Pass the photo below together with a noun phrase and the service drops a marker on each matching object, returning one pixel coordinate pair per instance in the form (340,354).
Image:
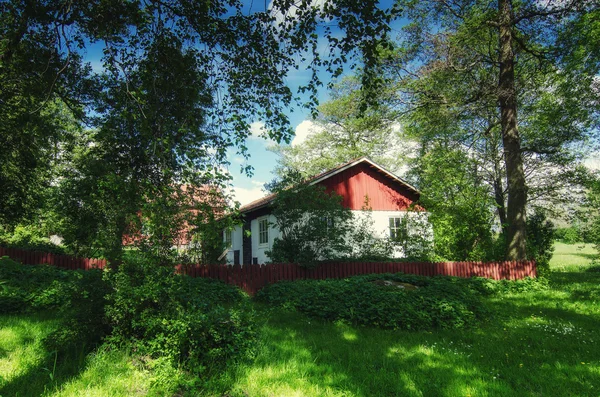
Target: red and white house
(390,199)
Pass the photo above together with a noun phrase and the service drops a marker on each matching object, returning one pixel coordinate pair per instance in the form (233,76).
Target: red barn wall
(354,183)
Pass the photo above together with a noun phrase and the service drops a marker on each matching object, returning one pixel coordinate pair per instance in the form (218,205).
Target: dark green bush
(540,240)
(527,284)
(77,295)
(40,287)
(568,235)
(438,302)
(198,323)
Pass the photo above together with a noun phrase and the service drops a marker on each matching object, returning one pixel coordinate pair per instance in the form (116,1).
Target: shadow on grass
(308,358)
(46,376)
(539,343)
(47,372)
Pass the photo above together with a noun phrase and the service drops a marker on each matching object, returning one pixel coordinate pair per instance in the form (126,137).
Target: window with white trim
(263,231)
(228,238)
(398,228)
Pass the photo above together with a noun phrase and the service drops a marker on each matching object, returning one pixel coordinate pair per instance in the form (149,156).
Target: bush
(41,287)
(29,238)
(438,302)
(568,235)
(540,240)
(77,295)
(194,322)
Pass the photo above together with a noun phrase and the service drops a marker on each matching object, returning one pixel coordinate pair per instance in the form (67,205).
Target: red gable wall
(356,182)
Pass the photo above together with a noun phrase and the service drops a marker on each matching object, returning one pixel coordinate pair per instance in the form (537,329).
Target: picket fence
(251,278)
(58,260)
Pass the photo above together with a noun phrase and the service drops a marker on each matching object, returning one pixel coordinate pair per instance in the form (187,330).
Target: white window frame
(228,238)
(395,225)
(260,220)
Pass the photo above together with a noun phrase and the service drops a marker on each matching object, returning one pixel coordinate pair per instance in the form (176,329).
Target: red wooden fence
(251,278)
(63,261)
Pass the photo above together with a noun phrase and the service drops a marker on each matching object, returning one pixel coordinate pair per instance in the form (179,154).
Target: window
(398,229)
(328,222)
(228,238)
(263,231)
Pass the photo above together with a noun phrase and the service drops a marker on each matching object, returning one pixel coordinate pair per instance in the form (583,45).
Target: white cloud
(257,183)
(257,129)
(245,196)
(592,163)
(258,132)
(280,17)
(303,130)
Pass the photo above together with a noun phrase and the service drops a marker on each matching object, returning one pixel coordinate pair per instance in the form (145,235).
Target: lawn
(572,256)
(27,369)
(538,343)
(542,343)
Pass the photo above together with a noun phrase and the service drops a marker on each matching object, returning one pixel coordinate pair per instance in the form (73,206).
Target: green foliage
(313,224)
(42,287)
(77,295)
(568,235)
(540,240)
(28,237)
(460,208)
(200,324)
(439,302)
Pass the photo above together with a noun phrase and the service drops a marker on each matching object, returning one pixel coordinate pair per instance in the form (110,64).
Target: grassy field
(27,369)
(541,343)
(572,256)
(538,343)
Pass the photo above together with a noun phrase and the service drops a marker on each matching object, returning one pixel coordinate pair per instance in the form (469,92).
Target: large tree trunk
(507,98)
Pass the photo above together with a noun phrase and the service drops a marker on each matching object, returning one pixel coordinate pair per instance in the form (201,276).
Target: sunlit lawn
(27,370)
(572,256)
(540,343)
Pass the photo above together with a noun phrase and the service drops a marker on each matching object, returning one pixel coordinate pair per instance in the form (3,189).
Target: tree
(343,131)
(460,206)
(313,224)
(181,83)
(479,42)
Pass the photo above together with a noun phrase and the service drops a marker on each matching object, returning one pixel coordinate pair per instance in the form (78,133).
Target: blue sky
(263,161)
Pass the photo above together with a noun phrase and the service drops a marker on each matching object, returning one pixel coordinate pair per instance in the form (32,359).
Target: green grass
(539,343)
(542,343)
(572,256)
(27,369)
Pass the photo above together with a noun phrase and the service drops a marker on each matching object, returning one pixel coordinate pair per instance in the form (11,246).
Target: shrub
(40,287)
(29,238)
(77,295)
(540,240)
(568,235)
(438,302)
(198,323)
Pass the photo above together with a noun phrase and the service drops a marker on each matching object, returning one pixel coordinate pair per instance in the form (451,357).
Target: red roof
(262,202)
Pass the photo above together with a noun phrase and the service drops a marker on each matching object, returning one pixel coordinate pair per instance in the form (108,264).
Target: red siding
(361,180)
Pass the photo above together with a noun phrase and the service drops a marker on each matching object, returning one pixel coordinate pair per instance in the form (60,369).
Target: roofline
(358,161)
(330,173)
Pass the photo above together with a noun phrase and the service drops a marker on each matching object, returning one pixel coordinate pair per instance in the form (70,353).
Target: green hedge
(198,323)
(438,302)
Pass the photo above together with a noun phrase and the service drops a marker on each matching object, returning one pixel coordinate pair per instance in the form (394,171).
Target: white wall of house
(259,250)
(381,224)
(236,243)
(380,227)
